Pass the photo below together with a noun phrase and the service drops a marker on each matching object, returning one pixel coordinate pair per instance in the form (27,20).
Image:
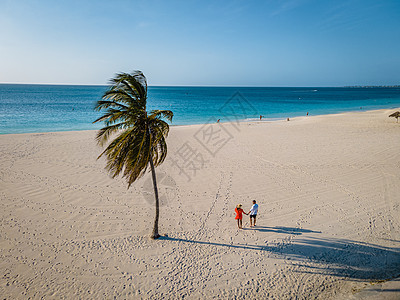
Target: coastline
(51,108)
(241,121)
(328,225)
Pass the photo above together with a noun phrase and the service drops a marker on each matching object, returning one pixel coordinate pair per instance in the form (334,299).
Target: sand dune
(329,219)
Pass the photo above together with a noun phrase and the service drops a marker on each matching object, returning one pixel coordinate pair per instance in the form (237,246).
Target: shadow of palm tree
(386,290)
(346,258)
(335,257)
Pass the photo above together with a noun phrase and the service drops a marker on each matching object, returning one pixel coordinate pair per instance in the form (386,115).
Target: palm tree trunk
(155,234)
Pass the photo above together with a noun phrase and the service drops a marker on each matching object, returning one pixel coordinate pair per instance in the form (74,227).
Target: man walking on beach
(253,213)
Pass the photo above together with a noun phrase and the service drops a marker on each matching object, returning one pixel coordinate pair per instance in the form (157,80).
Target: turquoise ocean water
(48,108)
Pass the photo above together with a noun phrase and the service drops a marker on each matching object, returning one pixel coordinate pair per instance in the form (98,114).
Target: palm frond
(127,88)
(158,128)
(160,149)
(104,133)
(140,136)
(104,104)
(118,95)
(161,114)
(134,84)
(111,116)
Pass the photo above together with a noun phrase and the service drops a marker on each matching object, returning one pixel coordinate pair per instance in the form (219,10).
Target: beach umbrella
(396,115)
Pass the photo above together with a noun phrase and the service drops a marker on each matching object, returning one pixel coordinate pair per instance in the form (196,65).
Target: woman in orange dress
(239,211)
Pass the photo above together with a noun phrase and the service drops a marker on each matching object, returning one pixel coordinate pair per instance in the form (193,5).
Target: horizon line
(216,86)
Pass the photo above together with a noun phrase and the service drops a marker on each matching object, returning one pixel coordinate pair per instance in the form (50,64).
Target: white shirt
(254,209)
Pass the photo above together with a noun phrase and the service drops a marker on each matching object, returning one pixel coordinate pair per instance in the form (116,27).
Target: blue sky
(216,43)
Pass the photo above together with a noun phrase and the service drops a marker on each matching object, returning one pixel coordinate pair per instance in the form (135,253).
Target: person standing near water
(253,213)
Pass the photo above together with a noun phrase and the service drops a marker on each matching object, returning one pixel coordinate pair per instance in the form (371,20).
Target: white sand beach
(328,189)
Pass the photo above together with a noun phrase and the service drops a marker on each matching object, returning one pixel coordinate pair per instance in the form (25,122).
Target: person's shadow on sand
(282,229)
(328,256)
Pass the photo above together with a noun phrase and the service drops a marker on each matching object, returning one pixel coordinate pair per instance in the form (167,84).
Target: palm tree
(140,136)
